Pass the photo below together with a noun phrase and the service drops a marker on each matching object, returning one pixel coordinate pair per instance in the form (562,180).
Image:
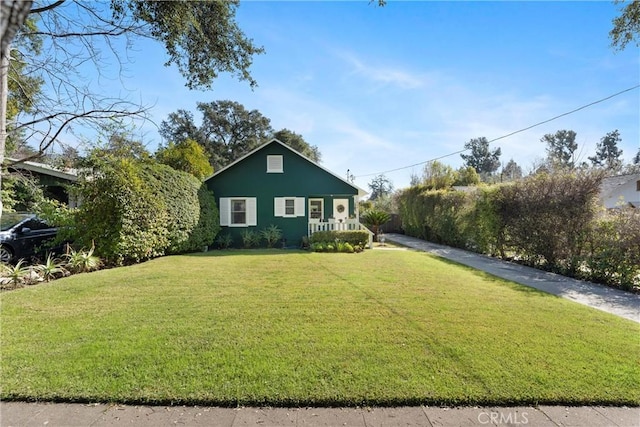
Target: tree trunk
(13,13)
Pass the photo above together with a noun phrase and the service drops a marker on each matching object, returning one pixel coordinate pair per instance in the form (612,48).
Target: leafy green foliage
(374,219)
(51,269)
(187,156)
(201,38)
(433,215)
(626,27)
(481,158)
(15,273)
(548,221)
(380,187)
(272,235)
(135,211)
(608,155)
(561,148)
(224,241)
(614,256)
(228,130)
(250,238)
(297,142)
(354,238)
(82,261)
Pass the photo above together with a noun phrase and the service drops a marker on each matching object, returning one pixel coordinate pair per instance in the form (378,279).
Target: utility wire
(507,135)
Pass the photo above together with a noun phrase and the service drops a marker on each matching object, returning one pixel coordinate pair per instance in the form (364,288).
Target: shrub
(374,219)
(354,238)
(51,269)
(272,235)
(82,261)
(224,241)
(614,257)
(136,210)
(250,238)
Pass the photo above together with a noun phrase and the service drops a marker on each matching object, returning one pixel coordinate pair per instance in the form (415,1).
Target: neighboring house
(54,182)
(623,190)
(276,185)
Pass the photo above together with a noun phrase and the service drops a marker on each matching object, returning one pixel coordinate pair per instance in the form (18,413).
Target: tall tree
(380,186)
(481,158)
(437,175)
(561,148)
(466,176)
(511,171)
(297,142)
(608,155)
(228,130)
(201,38)
(636,159)
(626,27)
(187,156)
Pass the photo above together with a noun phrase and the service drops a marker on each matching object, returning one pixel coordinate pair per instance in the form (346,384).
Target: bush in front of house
(354,238)
(133,211)
(336,246)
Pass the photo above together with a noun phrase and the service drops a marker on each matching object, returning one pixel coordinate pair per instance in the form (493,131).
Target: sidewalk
(620,303)
(17,414)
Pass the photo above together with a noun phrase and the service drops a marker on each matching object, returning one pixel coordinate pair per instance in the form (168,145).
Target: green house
(276,185)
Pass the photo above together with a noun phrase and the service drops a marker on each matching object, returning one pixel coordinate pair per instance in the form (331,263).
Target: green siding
(301,178)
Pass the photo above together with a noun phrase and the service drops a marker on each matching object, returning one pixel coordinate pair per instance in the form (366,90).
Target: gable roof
(360,191)
(611,185)
(44,169)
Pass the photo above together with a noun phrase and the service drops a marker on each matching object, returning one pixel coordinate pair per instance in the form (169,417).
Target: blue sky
(383,88)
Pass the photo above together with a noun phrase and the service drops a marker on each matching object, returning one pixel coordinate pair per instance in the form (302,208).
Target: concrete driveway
(614,301)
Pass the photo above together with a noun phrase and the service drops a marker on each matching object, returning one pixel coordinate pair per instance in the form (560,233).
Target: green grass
(295,328)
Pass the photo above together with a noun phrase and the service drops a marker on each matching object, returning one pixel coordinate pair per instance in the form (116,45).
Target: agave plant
(51,269)
(82,261)
(16,274)
(272,235)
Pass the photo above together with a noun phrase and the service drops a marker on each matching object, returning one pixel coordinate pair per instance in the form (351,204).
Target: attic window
(274,164)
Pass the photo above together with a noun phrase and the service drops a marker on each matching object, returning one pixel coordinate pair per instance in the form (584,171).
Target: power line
(507,135)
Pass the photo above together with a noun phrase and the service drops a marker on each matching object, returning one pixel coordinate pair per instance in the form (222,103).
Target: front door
(341,209)
(316,209)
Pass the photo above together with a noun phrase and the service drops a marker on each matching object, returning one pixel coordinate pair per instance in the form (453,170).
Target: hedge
(132,211)
(548,221)
(354,238)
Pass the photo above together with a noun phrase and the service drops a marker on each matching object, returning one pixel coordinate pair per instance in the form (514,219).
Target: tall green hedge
(132,211)
(550,221)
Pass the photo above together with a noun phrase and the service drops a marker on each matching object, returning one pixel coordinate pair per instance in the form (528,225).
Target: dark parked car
(23,235)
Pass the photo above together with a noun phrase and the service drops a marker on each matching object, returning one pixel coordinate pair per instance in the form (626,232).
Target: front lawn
(273,327)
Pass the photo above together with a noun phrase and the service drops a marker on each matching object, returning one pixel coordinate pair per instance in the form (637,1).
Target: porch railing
(345,225)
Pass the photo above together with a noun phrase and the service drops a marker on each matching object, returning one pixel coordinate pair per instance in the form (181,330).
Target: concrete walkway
(18,414)
(620,303)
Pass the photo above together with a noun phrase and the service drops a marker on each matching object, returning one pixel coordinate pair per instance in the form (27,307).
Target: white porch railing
(346,225)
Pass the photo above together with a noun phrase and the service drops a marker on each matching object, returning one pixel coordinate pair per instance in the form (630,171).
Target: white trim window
(238,211)
(289,207)
(275,164)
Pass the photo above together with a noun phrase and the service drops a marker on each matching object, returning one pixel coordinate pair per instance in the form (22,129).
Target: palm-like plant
(82,261)
(16,273)
(374,219)
(51,269)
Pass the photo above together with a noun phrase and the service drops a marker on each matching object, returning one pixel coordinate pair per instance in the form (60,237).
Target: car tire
(6,254)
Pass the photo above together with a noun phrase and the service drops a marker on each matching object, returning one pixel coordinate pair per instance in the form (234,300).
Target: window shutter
(252,211)
(278,206)
(225,211)
(300,204)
